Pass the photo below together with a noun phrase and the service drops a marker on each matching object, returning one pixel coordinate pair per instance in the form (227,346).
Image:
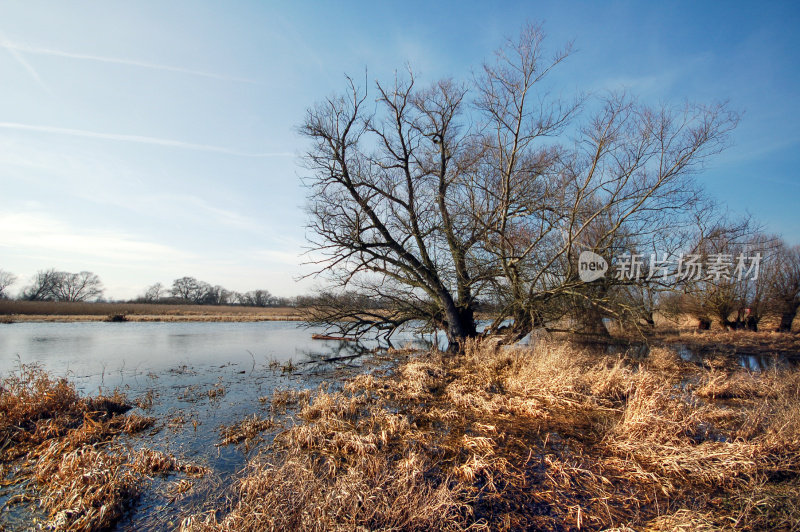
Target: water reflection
(749,361)
(109,354)
(766,362)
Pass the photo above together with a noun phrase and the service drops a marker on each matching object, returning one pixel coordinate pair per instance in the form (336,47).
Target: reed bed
(12,310)
(555,437)
(63,450)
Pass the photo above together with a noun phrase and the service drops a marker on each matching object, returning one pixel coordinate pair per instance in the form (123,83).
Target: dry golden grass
(65,311)
(555,437)
(63,447)
(283,399)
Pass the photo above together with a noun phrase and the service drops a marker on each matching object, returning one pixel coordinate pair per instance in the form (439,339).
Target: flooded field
(195,379)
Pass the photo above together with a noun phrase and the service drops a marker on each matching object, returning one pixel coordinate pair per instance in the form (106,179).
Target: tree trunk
(787,318)
(592,323)
(460,324)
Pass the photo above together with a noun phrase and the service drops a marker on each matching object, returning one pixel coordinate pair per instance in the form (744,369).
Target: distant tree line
(736,302)
(54,285)
(189,290)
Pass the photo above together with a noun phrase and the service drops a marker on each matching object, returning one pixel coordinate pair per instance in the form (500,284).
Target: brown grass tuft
(246,430)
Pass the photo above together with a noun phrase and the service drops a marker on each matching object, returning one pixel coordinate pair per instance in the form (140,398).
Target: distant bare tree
(154,293)
(6,280)
(42,288)
(52,285)
(214,295)
(188,289)
(82,286)
(737,299)
(784,286)
(256,298)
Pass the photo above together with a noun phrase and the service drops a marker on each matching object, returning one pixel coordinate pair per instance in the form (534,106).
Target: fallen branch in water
(336,338)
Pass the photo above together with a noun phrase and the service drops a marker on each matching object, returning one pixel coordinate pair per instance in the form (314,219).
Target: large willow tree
(430,199)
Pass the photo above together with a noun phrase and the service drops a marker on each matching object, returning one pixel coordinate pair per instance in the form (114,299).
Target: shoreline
(151,318)
(49,311)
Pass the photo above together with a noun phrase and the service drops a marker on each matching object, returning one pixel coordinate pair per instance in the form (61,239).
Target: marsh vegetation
(557,435)
(551,437)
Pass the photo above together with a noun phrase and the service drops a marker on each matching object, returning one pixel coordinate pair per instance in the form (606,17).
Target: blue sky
(146,141)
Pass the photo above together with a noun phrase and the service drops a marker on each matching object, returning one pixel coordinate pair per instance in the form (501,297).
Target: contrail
(27,66)
(15,47)
(138,139)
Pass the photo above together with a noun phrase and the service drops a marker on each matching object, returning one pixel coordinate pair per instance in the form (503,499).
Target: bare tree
(154,293)
(735,291)
(784,285)
(188,289)
(82,286)
(256,298)
(381,207)
(6,280)
(42,287)
(214,295)
(446,194)
(52,285)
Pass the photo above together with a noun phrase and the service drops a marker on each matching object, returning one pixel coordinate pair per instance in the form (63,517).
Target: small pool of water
(748,361)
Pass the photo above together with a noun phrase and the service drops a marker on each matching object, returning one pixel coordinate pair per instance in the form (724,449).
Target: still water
(112,354)
(196,378)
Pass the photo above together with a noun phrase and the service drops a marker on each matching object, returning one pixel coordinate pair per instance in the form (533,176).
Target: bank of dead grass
(554,437)
(20,311)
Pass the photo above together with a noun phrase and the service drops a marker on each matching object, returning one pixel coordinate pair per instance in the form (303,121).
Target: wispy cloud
(658,81)
(758,146)
(138,139)
(14,48)
(45,234)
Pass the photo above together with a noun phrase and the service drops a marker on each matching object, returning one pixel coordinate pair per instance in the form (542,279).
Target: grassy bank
(552,438)
(18,311)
